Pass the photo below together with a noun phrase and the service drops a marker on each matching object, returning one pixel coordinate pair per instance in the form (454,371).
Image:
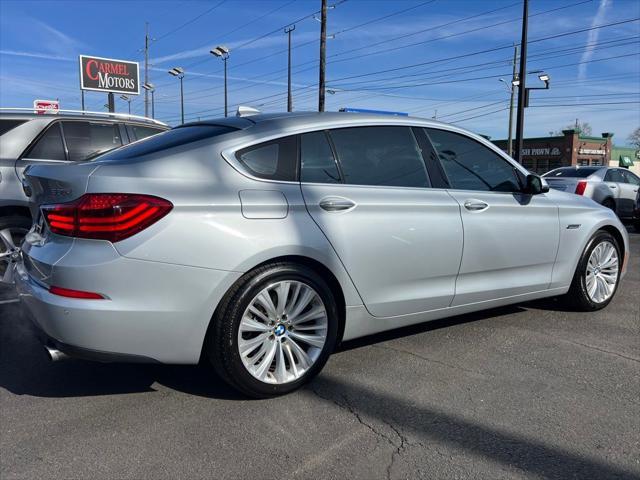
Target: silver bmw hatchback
(259,243)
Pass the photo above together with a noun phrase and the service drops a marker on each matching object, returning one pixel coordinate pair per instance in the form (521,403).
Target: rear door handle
(336,204)
(475,205)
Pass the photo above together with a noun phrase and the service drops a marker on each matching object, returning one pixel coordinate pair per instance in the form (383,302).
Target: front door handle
(475,205)
(336,204)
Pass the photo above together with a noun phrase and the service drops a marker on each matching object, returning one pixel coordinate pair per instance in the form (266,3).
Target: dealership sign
(109,75)
(46,106)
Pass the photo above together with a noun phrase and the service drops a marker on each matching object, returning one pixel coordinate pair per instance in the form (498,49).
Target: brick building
(542,154)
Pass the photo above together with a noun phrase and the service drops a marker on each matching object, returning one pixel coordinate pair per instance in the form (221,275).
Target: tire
(609,203)
(18,226)
(287,369)
(579,296)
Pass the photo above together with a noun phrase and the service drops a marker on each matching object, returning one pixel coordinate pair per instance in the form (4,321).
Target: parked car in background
(614,188)
(27,138)
(259,243)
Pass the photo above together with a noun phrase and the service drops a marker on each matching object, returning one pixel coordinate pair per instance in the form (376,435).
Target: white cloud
(592,38)
(44,56)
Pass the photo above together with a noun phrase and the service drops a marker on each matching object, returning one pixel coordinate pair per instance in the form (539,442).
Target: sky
(433,58)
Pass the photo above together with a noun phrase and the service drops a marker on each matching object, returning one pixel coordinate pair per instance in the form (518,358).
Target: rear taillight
(105,216)
(581,187)
(67,292)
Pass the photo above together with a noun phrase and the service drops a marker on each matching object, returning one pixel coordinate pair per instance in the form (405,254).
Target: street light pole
(288,31)
(512,89)
(150,87)
(222,52)
(179,72)
(128,100)
(522,80)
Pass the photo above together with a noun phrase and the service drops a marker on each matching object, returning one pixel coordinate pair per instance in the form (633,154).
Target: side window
(317,162)
(630,177)
(383,156)
(140,131)
(614,176)
(6,125)
(49,146)
(88,139)
(274,160)
(472,166)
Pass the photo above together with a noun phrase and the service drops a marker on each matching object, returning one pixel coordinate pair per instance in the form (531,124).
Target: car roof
(29,114)
(288,120)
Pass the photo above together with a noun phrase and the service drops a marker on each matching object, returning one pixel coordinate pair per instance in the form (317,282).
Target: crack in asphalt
(398,446)
(431,360)
(603,350)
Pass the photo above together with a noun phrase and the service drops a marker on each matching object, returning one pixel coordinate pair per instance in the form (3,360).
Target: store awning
(626,161)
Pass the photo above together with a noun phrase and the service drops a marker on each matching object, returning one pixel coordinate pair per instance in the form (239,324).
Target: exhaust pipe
(55,355)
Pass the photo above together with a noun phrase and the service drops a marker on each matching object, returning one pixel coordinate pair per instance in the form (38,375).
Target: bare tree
(583,128)
(634,138)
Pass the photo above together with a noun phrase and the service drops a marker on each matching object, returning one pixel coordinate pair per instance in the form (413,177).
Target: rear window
(571,172)
(138,132)
(6,125)
(166,140)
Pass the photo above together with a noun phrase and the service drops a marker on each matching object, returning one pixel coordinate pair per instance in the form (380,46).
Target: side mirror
(535,185)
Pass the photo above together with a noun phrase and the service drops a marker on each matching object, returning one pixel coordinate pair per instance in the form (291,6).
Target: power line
(189,22)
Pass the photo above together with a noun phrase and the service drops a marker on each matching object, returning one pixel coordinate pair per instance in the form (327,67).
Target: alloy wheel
(602,272)
(10,242)
(282,332)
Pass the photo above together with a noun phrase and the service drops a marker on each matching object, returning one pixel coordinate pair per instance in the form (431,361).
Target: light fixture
(220,51)
(176,71)
(149,86)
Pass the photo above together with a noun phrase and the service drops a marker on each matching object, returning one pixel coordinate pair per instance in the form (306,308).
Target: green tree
(583,128)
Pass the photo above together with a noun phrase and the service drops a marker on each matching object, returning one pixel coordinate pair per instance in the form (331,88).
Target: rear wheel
(274,331)
(597,276)
(12,232)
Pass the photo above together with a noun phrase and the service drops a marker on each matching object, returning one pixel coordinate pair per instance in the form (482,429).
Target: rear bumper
(155,312)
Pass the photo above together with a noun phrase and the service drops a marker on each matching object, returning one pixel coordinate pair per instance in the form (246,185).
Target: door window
(274,160)
(630,177)
(6,125)
(469,165)
(384,156)
(88,139)
(614,176)
(49,146)
(318,164)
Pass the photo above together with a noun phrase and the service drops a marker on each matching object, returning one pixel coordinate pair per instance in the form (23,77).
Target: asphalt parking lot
(529,391)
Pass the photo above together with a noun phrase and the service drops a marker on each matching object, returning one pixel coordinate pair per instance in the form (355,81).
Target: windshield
(581,172)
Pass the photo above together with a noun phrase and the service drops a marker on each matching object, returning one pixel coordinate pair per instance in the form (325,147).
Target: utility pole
(323,55)
(146,68)
(522,77)
(514,77)
(288,31)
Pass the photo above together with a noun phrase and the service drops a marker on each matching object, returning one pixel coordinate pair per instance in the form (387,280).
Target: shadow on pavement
(446,430)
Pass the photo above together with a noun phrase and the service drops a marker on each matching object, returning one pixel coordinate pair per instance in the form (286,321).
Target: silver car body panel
(400,255)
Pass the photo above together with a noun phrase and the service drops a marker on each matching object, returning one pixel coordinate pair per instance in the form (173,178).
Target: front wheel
(597,276)
(274,330)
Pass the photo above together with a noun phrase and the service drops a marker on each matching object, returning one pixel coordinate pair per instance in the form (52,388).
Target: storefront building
(542,154)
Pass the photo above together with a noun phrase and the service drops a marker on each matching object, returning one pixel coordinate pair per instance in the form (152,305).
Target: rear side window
(88,139)
(6,125)
(469,165)
(165,140)
(382,156)
(49,146)
(318,164)
(630,177)
(614,176)
(274,160)
(138,132)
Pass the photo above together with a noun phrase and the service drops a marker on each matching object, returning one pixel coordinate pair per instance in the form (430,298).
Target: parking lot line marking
(14,300)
